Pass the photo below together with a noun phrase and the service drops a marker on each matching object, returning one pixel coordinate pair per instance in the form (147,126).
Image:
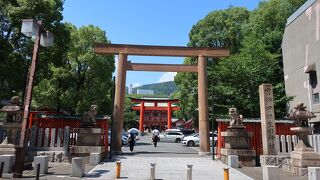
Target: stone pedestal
(303,155)
(233,161)
(236,140)
(89,136)
(9,161)
(273,160)
(89,140)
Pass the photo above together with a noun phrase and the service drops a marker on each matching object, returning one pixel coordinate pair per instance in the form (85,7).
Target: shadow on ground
(97,173)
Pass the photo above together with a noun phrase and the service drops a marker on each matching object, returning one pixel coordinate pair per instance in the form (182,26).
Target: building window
(314,85)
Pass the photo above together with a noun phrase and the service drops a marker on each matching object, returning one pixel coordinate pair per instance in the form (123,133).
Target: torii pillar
(203,106)
(169,116)
(141,122)
(119,97)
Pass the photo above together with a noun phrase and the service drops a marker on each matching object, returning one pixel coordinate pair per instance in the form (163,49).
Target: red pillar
(141,129)
(169,115)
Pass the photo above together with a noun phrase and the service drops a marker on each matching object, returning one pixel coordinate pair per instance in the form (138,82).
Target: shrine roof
(153,99)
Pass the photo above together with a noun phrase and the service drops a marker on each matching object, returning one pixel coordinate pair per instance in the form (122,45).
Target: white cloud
(136,85)
(169,76)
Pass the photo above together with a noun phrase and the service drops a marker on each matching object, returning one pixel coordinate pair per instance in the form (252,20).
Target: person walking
(132,141)
(155,136)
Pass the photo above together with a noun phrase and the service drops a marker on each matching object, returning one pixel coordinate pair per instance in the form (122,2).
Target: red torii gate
(144,108)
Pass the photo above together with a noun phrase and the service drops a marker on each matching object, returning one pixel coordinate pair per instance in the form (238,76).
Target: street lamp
(30,28)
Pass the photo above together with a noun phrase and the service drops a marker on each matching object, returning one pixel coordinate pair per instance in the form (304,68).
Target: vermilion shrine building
(155,112)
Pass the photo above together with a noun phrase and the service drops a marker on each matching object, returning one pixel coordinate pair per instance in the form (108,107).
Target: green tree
(130,116)
(16,49)
(83,77)
(256,57)
(218,29)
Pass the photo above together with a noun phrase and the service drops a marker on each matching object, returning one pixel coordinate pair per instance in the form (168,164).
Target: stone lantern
(303,155)
(11,125)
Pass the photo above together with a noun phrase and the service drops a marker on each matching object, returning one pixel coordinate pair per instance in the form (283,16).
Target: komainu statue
(235,118)
(90,116)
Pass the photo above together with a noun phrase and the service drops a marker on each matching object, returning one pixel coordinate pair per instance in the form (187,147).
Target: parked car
(194,139)
(191,140)
(171,136)
(185,132)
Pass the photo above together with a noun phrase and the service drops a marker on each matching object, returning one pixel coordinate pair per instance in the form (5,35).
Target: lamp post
(30,28)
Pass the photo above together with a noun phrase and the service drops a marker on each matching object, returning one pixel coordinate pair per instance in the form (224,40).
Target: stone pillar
(94,159)
(203,106)
(267,119)
(77,167)
(9,161)
(169,115)
(43,161)
(141,129)
(270,172)
(118,114)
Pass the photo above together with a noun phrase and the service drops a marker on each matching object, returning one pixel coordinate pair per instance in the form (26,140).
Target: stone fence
(285,143)
(57,139)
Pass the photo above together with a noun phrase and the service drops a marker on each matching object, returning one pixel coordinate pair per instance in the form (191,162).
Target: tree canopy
(69,75)
(254,38)
(16,49)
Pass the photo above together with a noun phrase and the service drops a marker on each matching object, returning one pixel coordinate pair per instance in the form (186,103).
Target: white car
(194,139)
(171,136)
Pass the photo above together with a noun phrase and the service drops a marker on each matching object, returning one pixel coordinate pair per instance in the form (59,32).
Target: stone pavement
(138,168)
(256,173)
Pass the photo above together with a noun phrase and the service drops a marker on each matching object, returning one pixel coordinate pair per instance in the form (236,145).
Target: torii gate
(123,50)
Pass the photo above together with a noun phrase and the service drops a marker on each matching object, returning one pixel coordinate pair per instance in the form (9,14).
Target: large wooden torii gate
(124,65)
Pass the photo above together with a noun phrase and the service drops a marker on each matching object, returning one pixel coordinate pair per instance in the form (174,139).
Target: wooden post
(118,113)
(268,127)
(141,122)
(169,115)
(203,106)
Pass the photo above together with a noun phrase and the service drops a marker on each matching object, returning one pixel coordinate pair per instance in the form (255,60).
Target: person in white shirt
(155,136)
(155,132)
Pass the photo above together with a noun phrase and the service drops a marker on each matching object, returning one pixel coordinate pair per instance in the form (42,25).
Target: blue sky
(146,22)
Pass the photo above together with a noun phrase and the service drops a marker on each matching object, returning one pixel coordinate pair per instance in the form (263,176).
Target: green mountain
(164,88)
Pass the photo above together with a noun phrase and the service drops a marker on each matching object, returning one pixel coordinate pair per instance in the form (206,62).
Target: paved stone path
(138,168)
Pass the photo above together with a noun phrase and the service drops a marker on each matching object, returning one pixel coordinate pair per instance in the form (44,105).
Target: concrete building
(145,91)
(301,57)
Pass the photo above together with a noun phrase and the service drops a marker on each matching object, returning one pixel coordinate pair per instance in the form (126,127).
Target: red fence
(59,121)
(256,139)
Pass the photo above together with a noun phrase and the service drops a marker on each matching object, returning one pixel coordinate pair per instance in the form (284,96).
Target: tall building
(301,57)
(130,89)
